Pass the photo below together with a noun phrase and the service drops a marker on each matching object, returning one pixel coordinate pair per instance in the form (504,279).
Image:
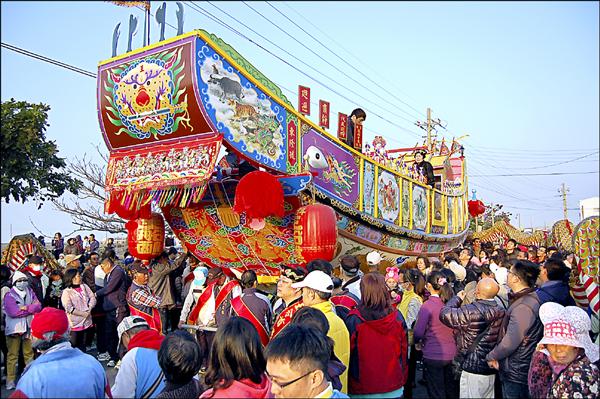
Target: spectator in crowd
(180,358)
(349,273)
(554,276)
(520,332)
(93,245)
(373,261)
(79,243)
(58,245)
(436,340)
(110,243)
(236,363)
(36,277)
(477,326)
(78,300)
(320,264)
(312,317)
(71,248)
(484,257)
(42,241)
(521,254)
(391,283)
(563,363)
(511,249)
(378,343)
(343,300)
(532,254)
(160,284)
(187,277)
(172,253)
(541,254)
(469,290)
(114,303)
(5,287)
(95,277)
(423,265)
(253,306)
(551,251)
(289,298)
(142,301)
(196,287)
(316,292)
(140,375)
(72,261)
(460,272)
(87,275)
(297,364)
(60,371)
(19,305)
(465,257)
(54,290)
(412,285)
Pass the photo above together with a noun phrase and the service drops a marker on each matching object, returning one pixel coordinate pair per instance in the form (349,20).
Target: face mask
(35,267)
(22,285)
(57,282)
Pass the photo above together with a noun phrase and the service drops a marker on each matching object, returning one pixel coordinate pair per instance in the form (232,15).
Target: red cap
(49,319)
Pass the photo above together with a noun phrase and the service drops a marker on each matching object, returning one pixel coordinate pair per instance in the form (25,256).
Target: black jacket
(470,321)
(520,333)
(114,292)
(427,170)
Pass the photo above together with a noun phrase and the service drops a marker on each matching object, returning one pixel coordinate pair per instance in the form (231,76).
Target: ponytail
(439,283)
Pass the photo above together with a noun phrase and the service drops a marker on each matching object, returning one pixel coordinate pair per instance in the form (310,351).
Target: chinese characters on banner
(342,126)
(324,114)
(292,148)
(304,100)
(358,133)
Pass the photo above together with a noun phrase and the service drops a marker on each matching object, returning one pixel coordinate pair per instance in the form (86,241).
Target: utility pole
(430,126)
(563,192)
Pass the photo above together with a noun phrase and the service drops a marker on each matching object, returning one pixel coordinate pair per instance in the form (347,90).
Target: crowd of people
(483,321)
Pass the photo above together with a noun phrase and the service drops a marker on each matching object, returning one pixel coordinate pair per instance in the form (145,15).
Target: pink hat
(391,273)
(555,316)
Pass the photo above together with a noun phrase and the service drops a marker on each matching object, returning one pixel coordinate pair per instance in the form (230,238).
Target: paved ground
(419,392)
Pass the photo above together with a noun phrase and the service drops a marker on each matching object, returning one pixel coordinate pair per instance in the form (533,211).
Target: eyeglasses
(286,384)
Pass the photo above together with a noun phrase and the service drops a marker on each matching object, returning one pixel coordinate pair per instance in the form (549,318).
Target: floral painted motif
(369,188)
(406,203)
(388,197)
(419,208)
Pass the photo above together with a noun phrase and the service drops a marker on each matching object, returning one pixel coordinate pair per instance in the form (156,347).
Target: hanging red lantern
(315,232)
(146,237)
(476,208)
(259,194)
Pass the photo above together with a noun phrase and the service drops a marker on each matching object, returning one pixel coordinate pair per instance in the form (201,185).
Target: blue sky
(521,78)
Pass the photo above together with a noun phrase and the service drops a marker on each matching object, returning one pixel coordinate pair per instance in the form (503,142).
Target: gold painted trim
(376,188)
(361,187)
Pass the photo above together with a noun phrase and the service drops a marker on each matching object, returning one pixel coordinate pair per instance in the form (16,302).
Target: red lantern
(259,194)
(315,232)
(146,237)
(476,208)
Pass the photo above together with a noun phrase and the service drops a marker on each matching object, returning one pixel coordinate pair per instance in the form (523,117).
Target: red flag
(304,100)
(324,114)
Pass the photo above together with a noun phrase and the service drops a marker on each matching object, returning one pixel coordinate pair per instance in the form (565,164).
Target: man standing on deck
(357,117)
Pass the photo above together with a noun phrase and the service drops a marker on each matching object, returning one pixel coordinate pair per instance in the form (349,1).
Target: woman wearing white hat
(562,366)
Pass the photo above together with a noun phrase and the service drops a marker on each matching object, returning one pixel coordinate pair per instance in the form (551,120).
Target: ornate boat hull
(166,109)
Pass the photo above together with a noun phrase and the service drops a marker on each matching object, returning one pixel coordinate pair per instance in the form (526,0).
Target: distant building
(589,207)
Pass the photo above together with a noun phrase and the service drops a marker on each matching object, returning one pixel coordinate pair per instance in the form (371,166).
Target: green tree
(31,167)
(486,220)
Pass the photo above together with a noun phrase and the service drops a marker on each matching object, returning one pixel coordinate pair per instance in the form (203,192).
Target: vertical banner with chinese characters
(304,100)
(342,126)
(358,134)
(292,147)
(324,114)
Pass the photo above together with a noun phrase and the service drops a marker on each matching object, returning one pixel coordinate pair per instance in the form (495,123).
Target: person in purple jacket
(436,340)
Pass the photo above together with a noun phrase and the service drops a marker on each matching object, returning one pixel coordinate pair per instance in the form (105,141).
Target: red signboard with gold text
(342,126)
(358,135)
(324,114)
(292,147)
(304,100)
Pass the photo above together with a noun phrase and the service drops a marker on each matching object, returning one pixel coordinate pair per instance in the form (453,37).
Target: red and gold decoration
(476,208)
(21,248)
(358,136)
(304,100)
(146,237)
(292,141)
(342,126)
(324,114)
(315,232)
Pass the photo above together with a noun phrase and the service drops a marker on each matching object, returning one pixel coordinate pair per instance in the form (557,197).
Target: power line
(351,54)
(48,60)
(344,61)
(539,174)
(211,16)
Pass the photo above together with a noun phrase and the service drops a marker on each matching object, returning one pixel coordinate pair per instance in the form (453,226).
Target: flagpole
(148,22)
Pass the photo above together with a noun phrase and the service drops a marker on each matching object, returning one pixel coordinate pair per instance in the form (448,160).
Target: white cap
(373,258)
(459,270)
(317,280)
(17,276)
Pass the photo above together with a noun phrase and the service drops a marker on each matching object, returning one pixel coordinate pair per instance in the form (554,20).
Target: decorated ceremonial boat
(168,110)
